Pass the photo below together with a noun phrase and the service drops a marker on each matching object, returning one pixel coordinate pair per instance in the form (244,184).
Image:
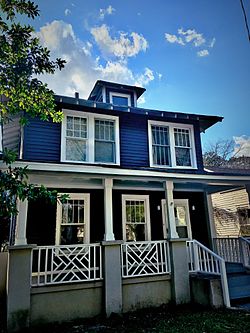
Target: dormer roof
(118,86)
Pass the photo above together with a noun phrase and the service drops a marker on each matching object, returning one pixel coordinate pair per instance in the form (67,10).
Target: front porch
(125,244)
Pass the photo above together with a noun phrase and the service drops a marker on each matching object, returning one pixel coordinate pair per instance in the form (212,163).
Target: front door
(72,219)
(182,218)
(136,218)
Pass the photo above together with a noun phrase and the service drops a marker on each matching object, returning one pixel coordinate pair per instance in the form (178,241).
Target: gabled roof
(100,83)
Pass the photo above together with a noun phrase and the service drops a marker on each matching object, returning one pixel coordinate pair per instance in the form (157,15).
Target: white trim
(147,174)
(171,127)
(104,95)
(180,202)
(108,209)
(90,158)
(144,198)
(135,99)
(113,93)
(74,196)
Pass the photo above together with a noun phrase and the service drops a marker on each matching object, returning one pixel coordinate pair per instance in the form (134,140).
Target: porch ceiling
(85,180)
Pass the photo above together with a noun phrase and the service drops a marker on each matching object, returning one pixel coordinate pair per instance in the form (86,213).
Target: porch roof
(79,176)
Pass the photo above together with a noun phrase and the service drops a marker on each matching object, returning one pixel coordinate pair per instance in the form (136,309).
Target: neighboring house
(232,213)
(138,196)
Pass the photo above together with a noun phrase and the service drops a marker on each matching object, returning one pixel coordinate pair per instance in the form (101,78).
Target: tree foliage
(225,154)
(14,184)
(22,58)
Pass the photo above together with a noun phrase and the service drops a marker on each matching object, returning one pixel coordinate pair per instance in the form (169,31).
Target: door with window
(136,218)
(72,219)
(182,218)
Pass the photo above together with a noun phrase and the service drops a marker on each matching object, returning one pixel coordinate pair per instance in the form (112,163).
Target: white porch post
(169,186)
(108,209)
(21,222)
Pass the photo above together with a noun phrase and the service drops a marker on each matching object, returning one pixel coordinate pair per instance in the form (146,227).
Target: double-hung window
(171,145)
(90,138)
(104,141)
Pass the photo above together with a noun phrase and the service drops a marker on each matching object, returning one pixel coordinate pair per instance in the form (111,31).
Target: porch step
(238,282)
(233,267)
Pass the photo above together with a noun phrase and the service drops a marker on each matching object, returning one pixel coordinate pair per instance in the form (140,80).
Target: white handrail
(203,260)
(245,248)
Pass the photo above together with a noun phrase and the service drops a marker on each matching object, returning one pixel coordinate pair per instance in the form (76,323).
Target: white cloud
(212,43)
(121,47)
(174,39)
(159,76)
(82,69)
(141,100)
(145,78)
(191,36)
(203,53)
(67,12)
(242,145)
(87,48)
(106,11)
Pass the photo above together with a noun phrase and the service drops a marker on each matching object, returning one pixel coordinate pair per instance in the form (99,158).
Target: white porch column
(108,209)
(21,222)
(169,186)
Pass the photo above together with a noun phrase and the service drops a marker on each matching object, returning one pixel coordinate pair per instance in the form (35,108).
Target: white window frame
(180,202)
(90,154)
(171,127)
(136,197)
(112,93)
(74,196)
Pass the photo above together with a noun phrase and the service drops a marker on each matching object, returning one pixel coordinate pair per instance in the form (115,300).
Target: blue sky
(191,55)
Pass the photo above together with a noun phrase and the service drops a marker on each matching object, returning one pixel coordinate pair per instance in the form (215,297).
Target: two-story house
(137,197)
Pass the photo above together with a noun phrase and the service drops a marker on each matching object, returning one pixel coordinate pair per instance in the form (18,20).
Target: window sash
(91,138)
(171,145)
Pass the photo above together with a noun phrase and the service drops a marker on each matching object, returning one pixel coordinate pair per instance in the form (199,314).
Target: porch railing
(245,247)
(145,258)
(66,264)
(203,260)
(233,249)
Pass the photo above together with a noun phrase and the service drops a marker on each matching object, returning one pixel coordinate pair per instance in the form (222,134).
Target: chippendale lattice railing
(66,264)
(145,258)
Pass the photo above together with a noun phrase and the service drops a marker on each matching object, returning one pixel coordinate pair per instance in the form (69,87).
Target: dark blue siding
(134,141)
(42,141)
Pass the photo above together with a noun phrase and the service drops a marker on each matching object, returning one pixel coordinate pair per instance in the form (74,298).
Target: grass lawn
(188,319)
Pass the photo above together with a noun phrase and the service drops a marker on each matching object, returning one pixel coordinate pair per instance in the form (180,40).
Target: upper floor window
(171,145)
(90,138)
(120,99)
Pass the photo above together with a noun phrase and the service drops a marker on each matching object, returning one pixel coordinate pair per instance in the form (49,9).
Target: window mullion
(91,140)
(172,147)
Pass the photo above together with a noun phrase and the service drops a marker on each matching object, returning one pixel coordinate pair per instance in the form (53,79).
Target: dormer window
(120,99)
